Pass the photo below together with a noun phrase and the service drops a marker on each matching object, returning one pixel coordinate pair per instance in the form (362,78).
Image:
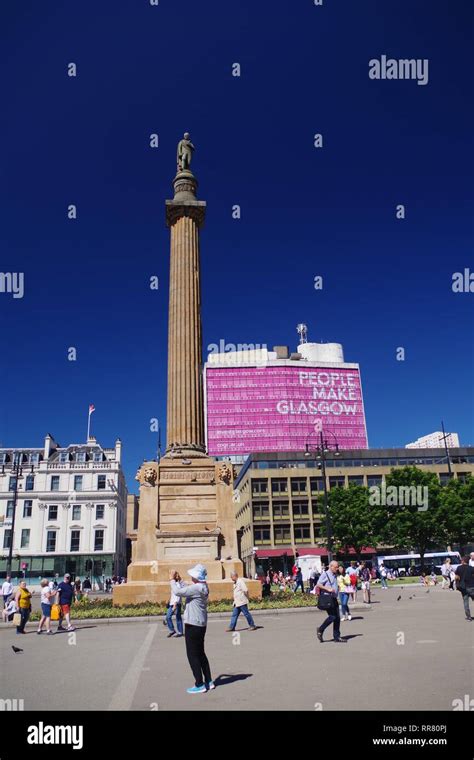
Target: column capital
(177,209)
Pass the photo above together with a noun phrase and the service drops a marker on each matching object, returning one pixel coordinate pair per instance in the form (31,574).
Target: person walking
(23,602)
(471,559)
(343,584)
(299,580)
(353,573)
(364,575)
(7,590)
(47,595)
(174,608)
(446,573)
(195,624)
(327,584)
(65,594)
(241,600)
(465,584)
(383,576)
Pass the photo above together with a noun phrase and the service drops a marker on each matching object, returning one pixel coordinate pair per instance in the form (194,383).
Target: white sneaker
(349,617)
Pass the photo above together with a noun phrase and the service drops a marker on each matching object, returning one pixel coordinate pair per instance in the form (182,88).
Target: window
(80,456)
(281,510)
(78,482)
(374,480)
(51,541)
(25,538)
(316,485)
(337,482)
(27,508)
(3,457)
(54,482)
(261,511)
(12,483)
(7,537)
(99,541)
(64,457)
(101,482)
(279,485)
(98,456)
(300,509)
(75,540)
(34,458)
(9,512)
(99,512)
(17,457)
(76,512)
(464,476)
(298,485)
(302,534)
(282,534)
(444,478)
(30,483)
(53,512)
(356,480)
(261,535)
(317,530)
(260,486)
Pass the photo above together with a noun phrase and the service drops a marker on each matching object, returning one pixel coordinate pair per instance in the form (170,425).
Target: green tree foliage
(458,502)
(354,522)
(409,526)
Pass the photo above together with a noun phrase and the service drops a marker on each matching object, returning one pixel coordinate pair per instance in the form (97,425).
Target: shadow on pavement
(351,636)
(226,678)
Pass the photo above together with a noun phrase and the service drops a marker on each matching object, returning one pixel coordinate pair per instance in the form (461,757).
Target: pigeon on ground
(398,598)
(16,649)
(428,591)
(410,597)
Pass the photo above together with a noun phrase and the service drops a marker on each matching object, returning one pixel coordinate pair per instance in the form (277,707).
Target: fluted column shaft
(185,405)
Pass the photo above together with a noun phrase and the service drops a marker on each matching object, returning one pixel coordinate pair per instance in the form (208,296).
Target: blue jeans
(384,583)
(179,622)
(236,612)
(344,598)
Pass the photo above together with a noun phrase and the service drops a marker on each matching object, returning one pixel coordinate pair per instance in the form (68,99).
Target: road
(413,654)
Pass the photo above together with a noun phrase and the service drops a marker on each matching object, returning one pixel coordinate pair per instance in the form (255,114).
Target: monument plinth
(186,511)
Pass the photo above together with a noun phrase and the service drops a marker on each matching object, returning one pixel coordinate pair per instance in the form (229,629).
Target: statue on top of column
(185,152)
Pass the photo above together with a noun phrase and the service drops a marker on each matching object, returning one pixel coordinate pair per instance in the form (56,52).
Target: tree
(415,517)
(355,523)
(457,499)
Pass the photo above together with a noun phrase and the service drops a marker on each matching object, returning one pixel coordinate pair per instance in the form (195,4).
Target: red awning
(263,553)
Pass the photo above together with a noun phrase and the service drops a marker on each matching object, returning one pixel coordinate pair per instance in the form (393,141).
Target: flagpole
(88,426)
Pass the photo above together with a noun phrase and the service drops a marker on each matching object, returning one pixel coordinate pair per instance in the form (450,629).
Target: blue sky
(305,211)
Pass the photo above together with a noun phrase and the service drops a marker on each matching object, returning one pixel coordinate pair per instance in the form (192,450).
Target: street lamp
(320,450)
(16,471)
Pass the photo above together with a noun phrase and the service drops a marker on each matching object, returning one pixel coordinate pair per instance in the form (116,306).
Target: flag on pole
(91,409)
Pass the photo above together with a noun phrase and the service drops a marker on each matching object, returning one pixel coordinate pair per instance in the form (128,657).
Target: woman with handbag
(23,601)
(327,601)
(465,584)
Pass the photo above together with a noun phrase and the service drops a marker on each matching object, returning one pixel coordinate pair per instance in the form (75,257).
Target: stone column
(185,408)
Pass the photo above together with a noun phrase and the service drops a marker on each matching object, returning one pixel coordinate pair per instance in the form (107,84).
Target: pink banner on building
(252,409)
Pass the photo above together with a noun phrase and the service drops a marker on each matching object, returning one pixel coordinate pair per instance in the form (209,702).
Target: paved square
(133,666)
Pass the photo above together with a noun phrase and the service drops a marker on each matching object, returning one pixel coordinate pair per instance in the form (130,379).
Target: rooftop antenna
(302,331)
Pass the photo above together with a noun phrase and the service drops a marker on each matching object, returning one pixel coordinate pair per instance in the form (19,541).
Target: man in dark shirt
(328,585)
(65,599)
(465,583)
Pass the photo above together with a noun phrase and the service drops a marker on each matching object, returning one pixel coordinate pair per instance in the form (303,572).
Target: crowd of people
(56,600)
(335,587)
